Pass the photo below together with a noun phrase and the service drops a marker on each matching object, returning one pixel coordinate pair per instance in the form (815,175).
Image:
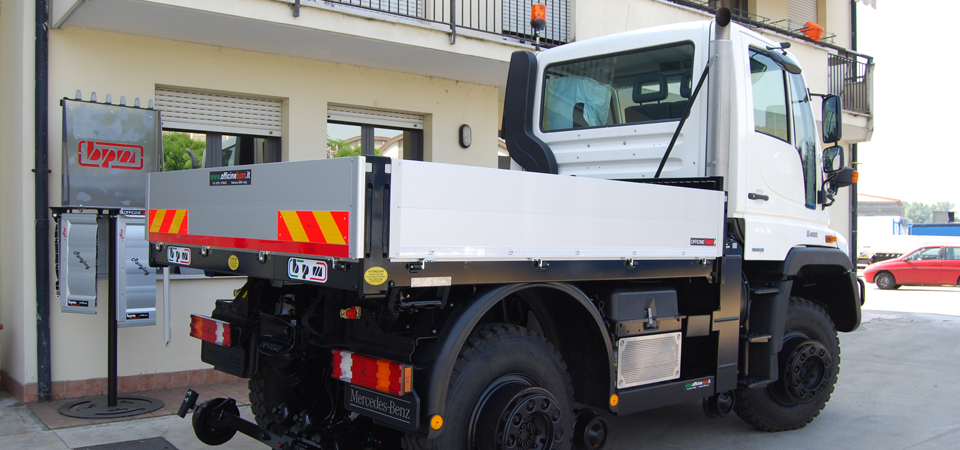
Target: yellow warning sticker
(375,276)
(233,262)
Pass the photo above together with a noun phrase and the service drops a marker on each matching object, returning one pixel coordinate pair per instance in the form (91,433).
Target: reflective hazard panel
(322,227)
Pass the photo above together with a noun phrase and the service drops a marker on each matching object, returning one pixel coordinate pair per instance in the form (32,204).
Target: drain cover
(96,407)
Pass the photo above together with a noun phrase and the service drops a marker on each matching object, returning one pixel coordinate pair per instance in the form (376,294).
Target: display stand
(111,405)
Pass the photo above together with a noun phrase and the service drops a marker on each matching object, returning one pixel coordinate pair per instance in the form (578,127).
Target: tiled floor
(49,413)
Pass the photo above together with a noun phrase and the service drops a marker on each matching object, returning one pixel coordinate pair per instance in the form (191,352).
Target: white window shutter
(188,110)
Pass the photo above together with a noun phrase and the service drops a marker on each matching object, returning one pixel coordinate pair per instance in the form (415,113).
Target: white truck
(662,245)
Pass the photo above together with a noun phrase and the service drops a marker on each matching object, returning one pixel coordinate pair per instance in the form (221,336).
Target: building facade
(270,80)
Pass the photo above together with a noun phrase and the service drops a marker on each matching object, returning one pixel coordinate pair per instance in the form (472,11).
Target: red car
(931,265)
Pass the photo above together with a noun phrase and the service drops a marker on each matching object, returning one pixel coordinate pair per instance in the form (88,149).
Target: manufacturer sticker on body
(699,384)
(233,262)
(231,178)
(178,255)
(307,270)
(705,242)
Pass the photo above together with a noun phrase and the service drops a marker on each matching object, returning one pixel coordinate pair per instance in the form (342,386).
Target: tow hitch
(216,421)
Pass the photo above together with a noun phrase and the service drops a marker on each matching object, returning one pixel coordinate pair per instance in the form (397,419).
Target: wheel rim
(511,414)
(806,369)
(885,281)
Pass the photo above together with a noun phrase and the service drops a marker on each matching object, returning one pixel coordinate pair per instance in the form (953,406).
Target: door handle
(755,196)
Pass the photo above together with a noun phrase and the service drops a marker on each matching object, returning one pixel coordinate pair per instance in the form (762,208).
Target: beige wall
(17,299)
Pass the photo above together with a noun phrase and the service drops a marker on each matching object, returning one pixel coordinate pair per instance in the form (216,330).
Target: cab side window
(769,96)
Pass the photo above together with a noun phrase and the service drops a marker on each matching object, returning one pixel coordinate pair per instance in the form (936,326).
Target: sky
(912,156)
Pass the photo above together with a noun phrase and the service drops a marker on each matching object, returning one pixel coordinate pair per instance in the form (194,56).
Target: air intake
(648,359)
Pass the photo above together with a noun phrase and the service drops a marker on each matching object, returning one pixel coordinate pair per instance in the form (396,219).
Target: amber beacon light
(538,20)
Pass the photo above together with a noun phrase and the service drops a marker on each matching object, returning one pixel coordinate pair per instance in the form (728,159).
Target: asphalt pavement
(898,388)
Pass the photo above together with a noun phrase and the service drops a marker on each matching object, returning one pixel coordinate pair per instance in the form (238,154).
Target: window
(805,137)
(650,85)
(951,253)
(924,254)
(769,96)
(234,129)
(354,131)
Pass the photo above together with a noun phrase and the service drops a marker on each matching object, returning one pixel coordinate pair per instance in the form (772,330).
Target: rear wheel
(885,280)
(809,363)
(509,390)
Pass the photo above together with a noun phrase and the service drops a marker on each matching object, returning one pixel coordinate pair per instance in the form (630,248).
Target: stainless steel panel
(108,150)
(136,280)
(77,234)
(648,359)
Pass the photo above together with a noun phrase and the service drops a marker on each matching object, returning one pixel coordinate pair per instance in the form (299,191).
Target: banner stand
(111,405)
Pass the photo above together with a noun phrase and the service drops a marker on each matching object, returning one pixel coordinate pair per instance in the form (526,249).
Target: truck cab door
(782,147)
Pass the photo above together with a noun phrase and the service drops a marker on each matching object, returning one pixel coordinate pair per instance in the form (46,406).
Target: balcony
(495,17)
(850,76)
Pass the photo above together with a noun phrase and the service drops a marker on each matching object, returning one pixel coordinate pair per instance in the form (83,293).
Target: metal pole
(166,304)
(112,314)
(41,206)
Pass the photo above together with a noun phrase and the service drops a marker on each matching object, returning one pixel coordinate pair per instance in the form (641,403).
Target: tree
(175,145)
(920,212)
(338,148)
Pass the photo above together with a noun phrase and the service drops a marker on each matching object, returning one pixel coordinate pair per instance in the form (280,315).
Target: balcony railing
(501,17)
(849,77)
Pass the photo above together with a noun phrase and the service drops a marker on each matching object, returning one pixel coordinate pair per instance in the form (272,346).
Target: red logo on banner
(110,156)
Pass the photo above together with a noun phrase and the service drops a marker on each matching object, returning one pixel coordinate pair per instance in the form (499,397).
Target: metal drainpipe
(854,210)
(41,210)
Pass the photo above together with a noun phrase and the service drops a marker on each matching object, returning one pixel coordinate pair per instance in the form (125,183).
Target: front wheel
(809,363)
(509,390)
(885,280)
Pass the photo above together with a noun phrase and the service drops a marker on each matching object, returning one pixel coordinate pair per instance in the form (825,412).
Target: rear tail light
(211,330)
(379,374)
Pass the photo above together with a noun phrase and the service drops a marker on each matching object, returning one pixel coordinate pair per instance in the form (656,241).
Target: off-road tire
(767,411)
(885,280)
(492,352)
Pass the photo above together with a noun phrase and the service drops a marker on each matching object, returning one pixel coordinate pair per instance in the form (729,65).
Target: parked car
(930,265)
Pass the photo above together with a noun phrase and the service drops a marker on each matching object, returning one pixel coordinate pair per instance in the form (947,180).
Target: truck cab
(608,107)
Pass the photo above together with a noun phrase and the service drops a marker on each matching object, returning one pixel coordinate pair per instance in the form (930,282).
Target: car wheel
(885,280)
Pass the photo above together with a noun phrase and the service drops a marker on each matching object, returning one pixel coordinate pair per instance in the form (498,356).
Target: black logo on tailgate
(400,412)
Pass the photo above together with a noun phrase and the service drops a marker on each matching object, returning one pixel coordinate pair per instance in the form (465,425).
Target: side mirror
(832,159)
(832,118)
